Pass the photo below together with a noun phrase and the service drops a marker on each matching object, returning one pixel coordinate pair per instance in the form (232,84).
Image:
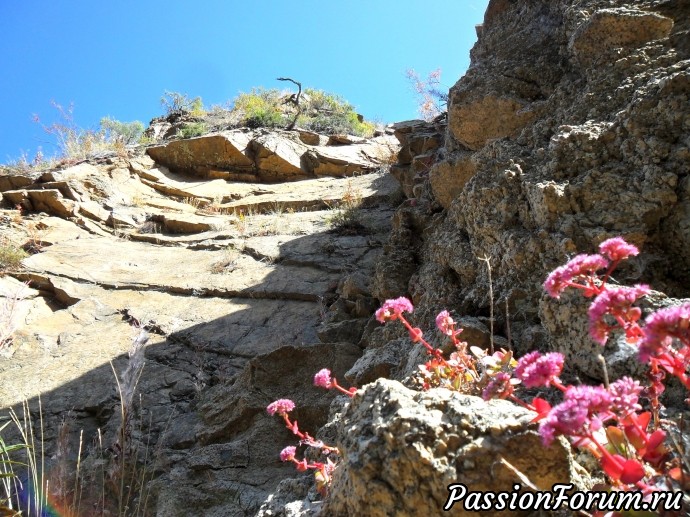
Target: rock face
(570,127)
(234,281)
(401,449)
(272,156)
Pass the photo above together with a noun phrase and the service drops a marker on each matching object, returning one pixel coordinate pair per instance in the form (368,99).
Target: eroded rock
(401,449)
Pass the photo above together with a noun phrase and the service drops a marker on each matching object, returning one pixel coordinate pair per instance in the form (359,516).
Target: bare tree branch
(293,99)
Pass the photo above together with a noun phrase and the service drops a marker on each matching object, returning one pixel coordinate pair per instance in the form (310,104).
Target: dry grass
(228,262)
(11,256)
(345,216)
(8,314)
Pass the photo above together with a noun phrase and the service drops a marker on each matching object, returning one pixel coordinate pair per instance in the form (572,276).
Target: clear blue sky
(117,58)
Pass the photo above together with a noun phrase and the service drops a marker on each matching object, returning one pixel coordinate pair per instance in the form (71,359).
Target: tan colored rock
(94,210)
(18,197)
(69,189)
(348,160)
(448,178)
(400,449)
(14,182)
(52,202)
(608,29)
(225,150)
(475,122)
(345,140)
(121,219)
(141,163)
(78,172)
(52,230)
(188,223)
(311,138)
(278,156)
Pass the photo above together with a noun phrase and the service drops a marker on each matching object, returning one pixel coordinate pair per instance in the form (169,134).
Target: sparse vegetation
(11,256)
(228,262)
(192,129)
(319,111)
(109,480)
(124,132)
(346,216)
(259,108)
(433,100)
(75,143)
(177,103)
(149,226)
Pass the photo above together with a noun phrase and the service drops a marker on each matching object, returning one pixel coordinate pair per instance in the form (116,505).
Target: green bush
(329,113)
(318,111)
(176,102)
(192,130)
(259,108)
(11,257)
(125,132)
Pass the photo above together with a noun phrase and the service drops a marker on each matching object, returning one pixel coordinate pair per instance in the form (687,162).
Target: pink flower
(535,369)
(580,265)
(323,378)
(625,395)
(499,387)
(617,302)
(597,401)
(445,323)
(568,417)
(288,453)
(391,309)
(661,327)
(281,407)
(617,249)
(583,411)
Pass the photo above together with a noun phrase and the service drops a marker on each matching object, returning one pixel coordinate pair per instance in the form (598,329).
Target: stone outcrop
(402,448)
(273,156)
(233,281)
(569,127)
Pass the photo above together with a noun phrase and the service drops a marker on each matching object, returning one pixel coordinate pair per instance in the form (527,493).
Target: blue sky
(117,58)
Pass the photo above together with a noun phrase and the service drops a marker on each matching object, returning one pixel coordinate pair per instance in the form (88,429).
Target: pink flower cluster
(536,369)
(392,309)
(660,329)
(585,408)
(583,267)
(565,276)
(280,407)
(617,249)
(616,302)
(323,470)
(323,379)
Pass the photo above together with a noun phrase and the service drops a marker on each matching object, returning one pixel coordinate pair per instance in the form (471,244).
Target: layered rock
(232,280)
(272,156)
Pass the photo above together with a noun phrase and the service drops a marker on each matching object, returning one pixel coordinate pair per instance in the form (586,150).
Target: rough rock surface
(572,125)
(402,448)
(272,156)
(232,279)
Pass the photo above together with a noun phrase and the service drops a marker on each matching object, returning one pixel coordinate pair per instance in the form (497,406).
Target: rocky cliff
(572,125)
(224,252)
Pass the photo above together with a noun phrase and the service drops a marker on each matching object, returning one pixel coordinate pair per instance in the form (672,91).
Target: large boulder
(401,449)
(206,155)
